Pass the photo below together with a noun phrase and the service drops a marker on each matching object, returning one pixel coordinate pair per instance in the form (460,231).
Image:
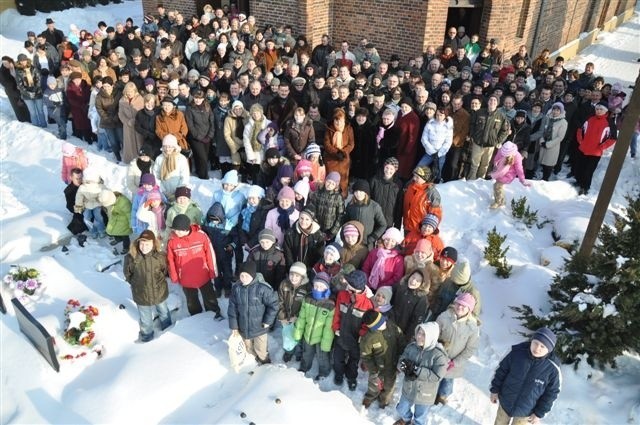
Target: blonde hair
(130,87)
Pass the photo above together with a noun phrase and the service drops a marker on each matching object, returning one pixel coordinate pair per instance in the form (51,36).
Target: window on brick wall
(522,22)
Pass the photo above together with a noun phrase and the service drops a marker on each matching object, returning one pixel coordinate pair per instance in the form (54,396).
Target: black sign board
(36,333)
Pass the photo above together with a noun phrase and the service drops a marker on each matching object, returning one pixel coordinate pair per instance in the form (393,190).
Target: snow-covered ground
(184,375)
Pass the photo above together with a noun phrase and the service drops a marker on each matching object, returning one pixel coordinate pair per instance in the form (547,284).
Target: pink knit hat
(467,300)
(350,230)
(287,193)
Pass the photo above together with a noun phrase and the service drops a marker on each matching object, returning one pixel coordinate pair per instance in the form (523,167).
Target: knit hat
(170,141)
(51,80)
(467,300)
(461,273)
(373,319)
(267,235)
(509,148)
(423,172)
(362,186)
(106,198)
(424,245)
(431,220)
(231,177)
(272,153)
(154,196)
(333,249)
(304,166)
(547,337)
(357,279)
(255,191)
(181,222)
(68,149)
(392,161)
(312,148)
(183,191)
(309,212)
(386,292)
(287,193)
(601,105)
(334,176)
(145,150)
(324,278)
(521,113)
(147,235)
(298,268)
(249,268)
(302,188)
(350,230)
(149,179)
(558,105)
(393,234)
(149,82)
(236,104)
(450,253)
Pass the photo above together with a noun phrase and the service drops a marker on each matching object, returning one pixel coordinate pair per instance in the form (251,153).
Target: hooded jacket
(460,338)
(595,136)
(290,298)
(420,200)
(372,218)
(191,260)
(348,317)
(410,306)
(251,307)
(357,253)
(147,276)
(270,264)
(314,322)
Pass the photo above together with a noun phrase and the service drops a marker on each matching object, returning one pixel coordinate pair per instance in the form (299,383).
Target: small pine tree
(495,255)
(595,302)
(521,211)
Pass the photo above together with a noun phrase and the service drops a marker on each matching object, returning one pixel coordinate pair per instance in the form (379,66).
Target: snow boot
(366,403)
(441,400)
(218,317)
(263,362)
(352,384)
(287,357)
(338,380)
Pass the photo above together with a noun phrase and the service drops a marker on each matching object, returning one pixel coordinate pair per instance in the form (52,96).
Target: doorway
(469,17)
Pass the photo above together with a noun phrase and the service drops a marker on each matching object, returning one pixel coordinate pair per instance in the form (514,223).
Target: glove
(451,365)
(363,366)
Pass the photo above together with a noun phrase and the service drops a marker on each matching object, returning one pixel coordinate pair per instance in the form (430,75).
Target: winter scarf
(246,216)
(283,217)
(380,134)
(159,213)
(337,135)
(320,295)
(377,272)
(548,130)
(28,76)
(384,308)
(257,127)
(169,164)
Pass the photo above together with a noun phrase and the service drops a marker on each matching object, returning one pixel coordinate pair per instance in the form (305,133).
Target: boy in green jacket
(380,348)
(314,327)
(118,209)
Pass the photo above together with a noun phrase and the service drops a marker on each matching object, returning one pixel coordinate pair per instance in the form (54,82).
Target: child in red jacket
(428,230)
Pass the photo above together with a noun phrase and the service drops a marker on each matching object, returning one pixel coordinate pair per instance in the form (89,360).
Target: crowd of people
(335,236)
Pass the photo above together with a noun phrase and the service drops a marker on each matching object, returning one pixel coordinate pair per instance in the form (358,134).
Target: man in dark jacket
(200,59)
(281,108)
(386,190)
(320,54)
(253,307)
(488,129)
(520,131)
(527,381)
(53,35)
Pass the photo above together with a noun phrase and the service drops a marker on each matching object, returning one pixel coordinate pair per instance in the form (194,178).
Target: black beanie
(249,268)
(362,186)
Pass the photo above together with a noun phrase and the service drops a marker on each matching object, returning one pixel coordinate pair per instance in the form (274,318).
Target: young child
(143,164)
(314,328)
(151,214)
(118,209)
(301,190)
(269,259)
(507,165)
(253,307)
(385,265)
(284,178)
(380,348)
(145,268)
(411,302)
(283,217)
(429,231)
(252,217)
(54,101)
(421,259)
(72,157)
(184,205)
(232,200)
(303,171)
(269,167)
(354,251)
(328,204)
(88,204)
(318,170)
(440,270)
(224,243)
(147,186)
(76,226)
(424,363)
(291,293)
(329,263)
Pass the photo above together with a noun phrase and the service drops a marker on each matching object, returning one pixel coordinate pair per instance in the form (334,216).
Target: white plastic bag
(237,351)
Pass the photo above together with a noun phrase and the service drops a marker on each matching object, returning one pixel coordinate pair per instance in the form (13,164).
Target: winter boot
(352,384)
(287,356)
(338,380)
(218,317)
(366,403)
(263,362)
(441,400)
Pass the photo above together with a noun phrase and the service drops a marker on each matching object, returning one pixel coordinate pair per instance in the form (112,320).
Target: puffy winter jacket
(410,306)
(372,218)
(380,349)
(147,276)
(271,222)
(119,217)
(526,384)
(437,136)
(355,254)
(191,210)
(232,202)
(420,200)
(87,195)
(191,260)
(180,176)
(460,337)
(302,246)
(253,149)
(388,194)
(314,323)
(393,268)
(329,209)
(348,317)
(505,173)
(270,264)
(448,292)
(290,298)
(595,136)
(251,307)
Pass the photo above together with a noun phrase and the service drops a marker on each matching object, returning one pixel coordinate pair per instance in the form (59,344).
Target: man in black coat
(54,36)
(8,81)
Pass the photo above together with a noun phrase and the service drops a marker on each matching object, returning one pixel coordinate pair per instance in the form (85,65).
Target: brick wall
(276,12)
(186,7)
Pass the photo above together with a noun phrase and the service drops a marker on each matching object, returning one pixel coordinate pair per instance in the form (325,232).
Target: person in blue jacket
(253,307)
(527,381)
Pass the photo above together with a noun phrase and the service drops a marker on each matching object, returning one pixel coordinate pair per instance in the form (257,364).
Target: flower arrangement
(24,281)
(79,321)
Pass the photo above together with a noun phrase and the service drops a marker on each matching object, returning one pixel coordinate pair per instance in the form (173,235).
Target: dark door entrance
(466,13)
(243,5)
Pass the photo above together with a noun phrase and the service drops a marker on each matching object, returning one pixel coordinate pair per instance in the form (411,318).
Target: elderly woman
(338,144)
(130,103)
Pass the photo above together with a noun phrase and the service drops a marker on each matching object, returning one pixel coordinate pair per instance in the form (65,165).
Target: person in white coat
(437,137)
(171,168)
(552,135)
(252,146)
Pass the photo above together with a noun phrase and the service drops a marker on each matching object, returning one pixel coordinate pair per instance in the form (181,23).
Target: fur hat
(373,319)
(298,268)
(333,249)
(547,337)
(230,177)
(287,193)
(461,273)
(393,234)
(357,279)
(467,300)
(149,179)
(424,245)
(449,253)
(267,234)
(334,176)
(431,220)
(362,186)
(181,222)
(255,191)
(107,198)
(509,148)
(183,191)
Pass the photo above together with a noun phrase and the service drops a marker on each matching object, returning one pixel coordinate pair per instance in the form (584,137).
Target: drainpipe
(536,32)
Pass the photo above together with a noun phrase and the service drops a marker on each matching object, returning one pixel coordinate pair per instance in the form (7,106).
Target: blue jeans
(103,141)
(36,112)
(428,159)
(115,137)
(146,319)
(445,389)
(634,143)
(419,414)
(97,227)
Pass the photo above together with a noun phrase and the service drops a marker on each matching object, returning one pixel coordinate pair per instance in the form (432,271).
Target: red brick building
(407,27)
